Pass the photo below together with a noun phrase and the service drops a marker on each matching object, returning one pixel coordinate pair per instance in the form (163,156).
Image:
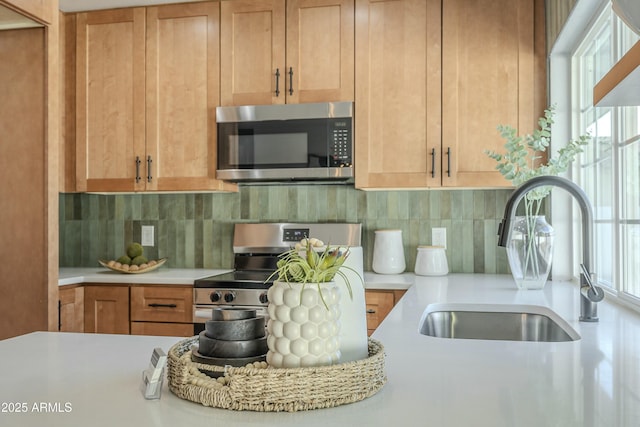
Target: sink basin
(495,322)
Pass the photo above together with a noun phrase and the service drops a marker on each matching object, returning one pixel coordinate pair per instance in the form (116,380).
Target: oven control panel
(294,234)
(222,296)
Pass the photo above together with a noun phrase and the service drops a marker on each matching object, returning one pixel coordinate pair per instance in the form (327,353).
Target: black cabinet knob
(215,296)
(263,298)
(230,296)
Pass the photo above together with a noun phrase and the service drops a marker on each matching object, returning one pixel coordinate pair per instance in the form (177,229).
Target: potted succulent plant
(304,310)
(531,248)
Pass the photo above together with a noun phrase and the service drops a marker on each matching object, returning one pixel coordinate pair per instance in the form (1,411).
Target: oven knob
(215,296)
(229,296)
(263,298)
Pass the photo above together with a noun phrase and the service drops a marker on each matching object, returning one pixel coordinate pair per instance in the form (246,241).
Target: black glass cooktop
(237,279)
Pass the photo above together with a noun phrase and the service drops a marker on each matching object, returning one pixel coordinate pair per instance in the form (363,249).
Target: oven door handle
(201,314)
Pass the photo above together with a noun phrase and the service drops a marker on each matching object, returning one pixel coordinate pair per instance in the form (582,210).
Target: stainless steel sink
(495,322)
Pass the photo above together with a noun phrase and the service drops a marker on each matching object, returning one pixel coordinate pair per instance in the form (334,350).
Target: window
(609,169)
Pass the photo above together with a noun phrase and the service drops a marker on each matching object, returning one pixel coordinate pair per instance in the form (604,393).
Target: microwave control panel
(340,143)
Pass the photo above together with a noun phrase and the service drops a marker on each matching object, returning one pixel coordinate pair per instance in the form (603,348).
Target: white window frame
(566,217)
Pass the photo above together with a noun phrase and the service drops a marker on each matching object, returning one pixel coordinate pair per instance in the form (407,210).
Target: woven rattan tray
(274,389)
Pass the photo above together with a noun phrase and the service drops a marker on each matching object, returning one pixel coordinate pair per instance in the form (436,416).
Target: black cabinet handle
(149,161)
(433,163)
(59,315)
(137,169)
(277,81)
(371,311)
(154,305)
(449,161)
(290,80)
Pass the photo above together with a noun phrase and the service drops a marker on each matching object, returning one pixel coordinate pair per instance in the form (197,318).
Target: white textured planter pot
(301,331)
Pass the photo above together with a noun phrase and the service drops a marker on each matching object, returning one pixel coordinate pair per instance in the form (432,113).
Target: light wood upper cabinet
(493,68)
(146,92)
(110,100)
(398,75)
(295,51)
(182,93)
(433,84)
(320,50)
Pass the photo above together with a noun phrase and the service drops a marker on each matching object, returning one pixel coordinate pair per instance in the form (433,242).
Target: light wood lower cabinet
(379,304)
(162,310)
(126,309)
(71,309)
(106,309)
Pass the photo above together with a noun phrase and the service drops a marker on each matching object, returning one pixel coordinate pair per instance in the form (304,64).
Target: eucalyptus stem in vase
(523,160)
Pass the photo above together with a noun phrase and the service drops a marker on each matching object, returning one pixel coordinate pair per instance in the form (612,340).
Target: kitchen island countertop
(86,379)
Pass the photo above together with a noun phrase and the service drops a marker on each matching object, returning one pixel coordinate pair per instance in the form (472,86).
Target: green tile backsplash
(196,230)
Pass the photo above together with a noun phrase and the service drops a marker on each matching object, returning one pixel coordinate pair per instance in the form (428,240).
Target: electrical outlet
(439,237)
(147,235)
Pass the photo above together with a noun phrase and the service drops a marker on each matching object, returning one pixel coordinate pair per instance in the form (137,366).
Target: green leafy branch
(521,160)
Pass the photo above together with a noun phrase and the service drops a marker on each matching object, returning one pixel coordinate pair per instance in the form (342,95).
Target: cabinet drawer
(162,304)
(379,304)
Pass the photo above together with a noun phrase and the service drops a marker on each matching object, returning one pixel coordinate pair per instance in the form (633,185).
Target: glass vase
(530,251)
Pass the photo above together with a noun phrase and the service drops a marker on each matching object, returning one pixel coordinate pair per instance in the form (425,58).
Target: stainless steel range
(256,248)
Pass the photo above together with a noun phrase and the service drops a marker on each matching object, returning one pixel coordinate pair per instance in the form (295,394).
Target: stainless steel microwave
(285,142)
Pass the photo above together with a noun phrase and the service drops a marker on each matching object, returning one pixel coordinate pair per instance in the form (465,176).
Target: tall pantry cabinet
(29,120)
(433,81)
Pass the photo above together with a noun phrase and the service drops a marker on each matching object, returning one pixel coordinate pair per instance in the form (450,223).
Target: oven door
(202,313)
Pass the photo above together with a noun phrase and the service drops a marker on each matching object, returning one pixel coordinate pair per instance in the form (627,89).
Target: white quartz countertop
(594,381)
(161,276)
(186,276)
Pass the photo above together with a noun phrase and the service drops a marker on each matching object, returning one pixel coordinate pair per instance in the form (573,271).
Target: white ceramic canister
(353,317)
(431,261)
(388,252)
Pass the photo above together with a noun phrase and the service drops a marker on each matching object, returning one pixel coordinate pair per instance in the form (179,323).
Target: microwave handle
(277,81)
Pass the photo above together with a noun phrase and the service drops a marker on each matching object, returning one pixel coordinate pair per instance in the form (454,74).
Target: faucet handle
(595,294)
(592,292)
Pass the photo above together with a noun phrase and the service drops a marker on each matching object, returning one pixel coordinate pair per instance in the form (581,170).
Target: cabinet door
(398,93)
(110,103)
(106,309)
(71,309)
(252,43)
(320,51)
(182,94)
(493,73)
